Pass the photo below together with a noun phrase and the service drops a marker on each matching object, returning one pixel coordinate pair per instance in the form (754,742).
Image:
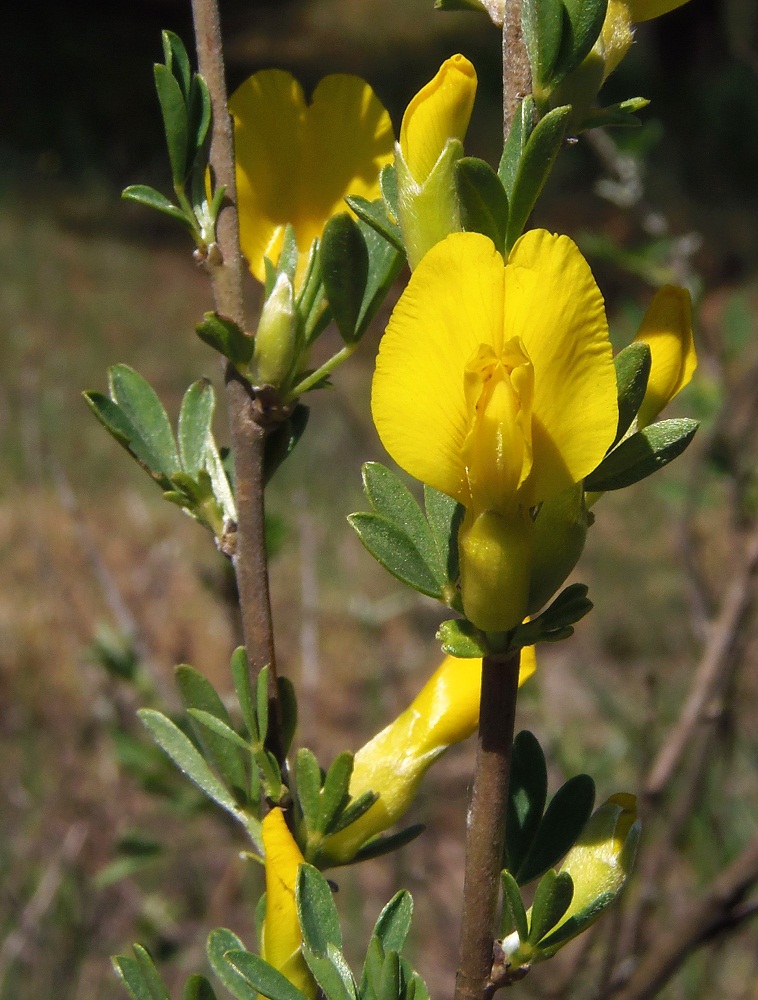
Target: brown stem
(248,417)
(486,825)
(517,74)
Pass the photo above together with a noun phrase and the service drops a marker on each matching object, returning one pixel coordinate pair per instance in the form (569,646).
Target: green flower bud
(560,531)
(276,339)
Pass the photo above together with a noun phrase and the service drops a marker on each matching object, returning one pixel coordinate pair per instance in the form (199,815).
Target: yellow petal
(296,163)
(440,111)
(617,35)
(452,304)
(348,139)
(445,712)
(667,329)
(554,306)
(282,937)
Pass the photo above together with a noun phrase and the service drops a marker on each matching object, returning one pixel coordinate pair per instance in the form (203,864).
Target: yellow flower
(281,937)
(495,384)
(445,712)
(599,864)
(667,329)
(431,141)
(295,162)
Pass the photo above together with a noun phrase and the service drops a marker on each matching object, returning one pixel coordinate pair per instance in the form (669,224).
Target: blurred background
(107,588)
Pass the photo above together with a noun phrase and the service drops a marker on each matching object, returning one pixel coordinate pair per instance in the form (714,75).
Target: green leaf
(221,942)
(195,419)
(564,820)
(334,794)
(521,129)
(280,443)
(542,22)
(621,115)
(551,900)
(390,498)
(392,547)
(308,786)
(224,336)
(582,24)
(200,114)
(139,977)
(198,693)
(482,198)
(198,988)
(187,758)
(379,846)
(332,973)
(388,187)
(352,812)
(219,728)
(261,702)
(344,270)
(460,638)
(374,214)
(150,198)
(389,984)
(263,977)
(385,262)
(513,916)
(444,516)
(241,677)
(138,401)
(177,60)
(118,425)
(632,374)
(372,969)
(289,255)
(527,794)
(316,911)
(394,922)
(288,705)
(555,623)
(642,454)
(175,125)
(534,169)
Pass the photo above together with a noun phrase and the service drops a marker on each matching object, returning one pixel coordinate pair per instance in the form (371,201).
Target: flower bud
(392,764)
(667,329)
(560,531)
(276,338)
(431,142)
(281,936)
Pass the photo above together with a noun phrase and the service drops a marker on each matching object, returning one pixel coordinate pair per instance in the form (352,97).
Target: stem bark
(486,825)
(248,419)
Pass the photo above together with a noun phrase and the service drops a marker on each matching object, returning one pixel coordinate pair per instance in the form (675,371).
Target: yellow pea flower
(281,937)
(495,384)
(296,162)
(667,329)
(445,712)
(599,864)
(431,141)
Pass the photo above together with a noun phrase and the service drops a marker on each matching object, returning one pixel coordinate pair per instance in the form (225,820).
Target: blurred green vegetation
(86,544)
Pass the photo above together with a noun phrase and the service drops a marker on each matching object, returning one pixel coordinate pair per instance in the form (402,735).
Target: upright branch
(248,420)
(486,825)
(517,76)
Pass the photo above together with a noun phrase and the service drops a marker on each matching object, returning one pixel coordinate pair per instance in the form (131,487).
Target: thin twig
(249,417)
(486,825)
(717,911)
(716,656)
(517,75)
